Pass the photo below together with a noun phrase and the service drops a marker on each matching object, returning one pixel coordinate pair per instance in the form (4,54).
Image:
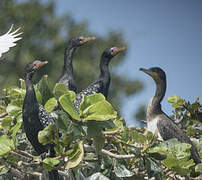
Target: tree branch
(108,153)
(3,115)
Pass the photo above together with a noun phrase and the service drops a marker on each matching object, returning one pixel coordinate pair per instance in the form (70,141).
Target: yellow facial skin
(154,75)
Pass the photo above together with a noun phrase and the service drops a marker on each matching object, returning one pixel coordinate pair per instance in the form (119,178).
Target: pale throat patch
(152,126)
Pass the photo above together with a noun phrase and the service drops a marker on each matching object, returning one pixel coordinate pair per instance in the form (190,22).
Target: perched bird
(35,117)
(67,76)
(102,84)
(157,120)
(8,40)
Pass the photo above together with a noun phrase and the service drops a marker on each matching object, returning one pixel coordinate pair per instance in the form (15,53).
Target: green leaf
(13,110)
(44,88)
(90,100)
(3,170)
(63,121)
(15,130)
(48,135)
(67,105)
(50,104)
(76,157)
(6,122)
(120,170)
(153,169)
(176,101)
(100,111)
(95,131)
(60,89)
(50,163)
(6,145)
(198,168)
(178,155)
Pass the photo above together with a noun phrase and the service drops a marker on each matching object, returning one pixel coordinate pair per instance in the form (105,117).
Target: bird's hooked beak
(117,50)
(154,75)
(87,39)
(39,64)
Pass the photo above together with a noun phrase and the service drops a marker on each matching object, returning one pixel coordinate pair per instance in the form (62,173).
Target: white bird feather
(8,40)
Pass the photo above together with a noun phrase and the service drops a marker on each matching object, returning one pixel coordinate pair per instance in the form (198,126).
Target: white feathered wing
(8,40)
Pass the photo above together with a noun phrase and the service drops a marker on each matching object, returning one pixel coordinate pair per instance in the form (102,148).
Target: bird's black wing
(44,117)
(91,89)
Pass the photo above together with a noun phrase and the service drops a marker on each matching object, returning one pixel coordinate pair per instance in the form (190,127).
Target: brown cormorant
(102,84)
(35,117)
(157,120)
(67,77)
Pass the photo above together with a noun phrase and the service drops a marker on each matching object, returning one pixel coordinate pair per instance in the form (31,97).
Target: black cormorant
(35,117)
(67,77)
(157,120)
(102,84)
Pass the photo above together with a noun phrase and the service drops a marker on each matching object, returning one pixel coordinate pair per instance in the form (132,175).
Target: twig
(118,131)
(116,155)
(112,132)
(3,115)
(17,173)
(23,153)
(34,173)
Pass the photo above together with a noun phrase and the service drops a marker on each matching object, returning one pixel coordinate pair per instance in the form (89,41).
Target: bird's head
(111,52)
(79,41)
(156,73)
(32,67)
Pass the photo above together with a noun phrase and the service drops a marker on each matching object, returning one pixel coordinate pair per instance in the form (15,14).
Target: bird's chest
(152,126)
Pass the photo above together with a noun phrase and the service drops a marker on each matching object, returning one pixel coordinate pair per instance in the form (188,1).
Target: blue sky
(160,33)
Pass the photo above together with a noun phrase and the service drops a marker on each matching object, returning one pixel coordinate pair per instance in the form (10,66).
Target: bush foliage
(95,139)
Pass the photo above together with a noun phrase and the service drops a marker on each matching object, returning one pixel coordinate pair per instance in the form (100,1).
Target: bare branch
(17,173)
(108,153)
(3,115)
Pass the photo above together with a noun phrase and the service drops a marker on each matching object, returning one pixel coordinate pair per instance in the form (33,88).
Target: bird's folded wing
(8,40)
(44,117)
(168,129)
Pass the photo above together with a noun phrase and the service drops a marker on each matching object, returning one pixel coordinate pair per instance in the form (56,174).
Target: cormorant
(8,40)
(102,84)
(157,120)
(35,117)
(67,77)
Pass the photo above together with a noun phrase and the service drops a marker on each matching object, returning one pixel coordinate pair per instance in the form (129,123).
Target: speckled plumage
(158,120)
(44,117)
(93,88)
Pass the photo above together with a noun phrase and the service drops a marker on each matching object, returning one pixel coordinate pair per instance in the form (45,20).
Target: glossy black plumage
(102,84)
(67,76)
(35,117)
(157,120)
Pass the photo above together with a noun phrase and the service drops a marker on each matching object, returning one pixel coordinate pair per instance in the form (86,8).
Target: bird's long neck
(154,106)
(30,93)
(104,69)
(104,72)
(68,56)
